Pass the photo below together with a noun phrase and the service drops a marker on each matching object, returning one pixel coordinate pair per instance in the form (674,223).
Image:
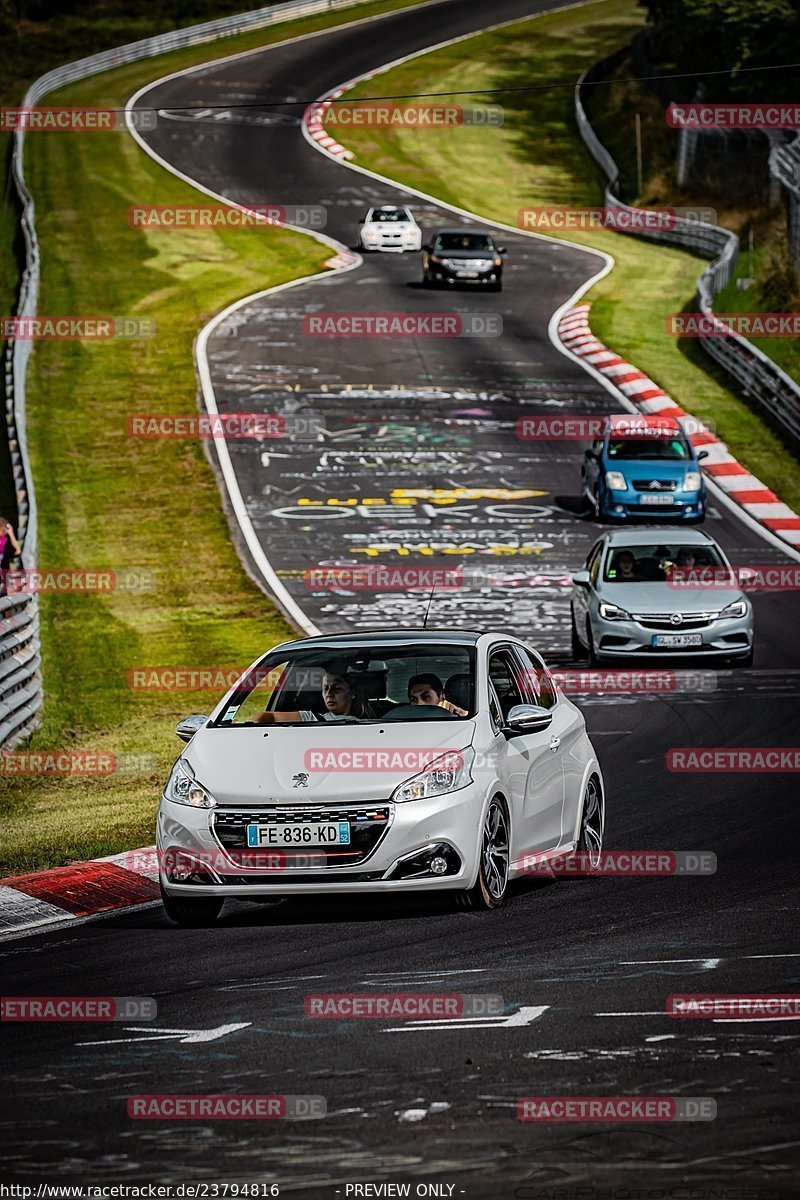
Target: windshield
(390,214)
(656,564)
(646,447)
(464,241)
(356,686)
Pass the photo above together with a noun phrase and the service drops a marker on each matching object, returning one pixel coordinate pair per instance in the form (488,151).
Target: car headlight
(183,788)
(612,612)
(692,481)
(616,481)
(371,234)
(447,773)
(737,609)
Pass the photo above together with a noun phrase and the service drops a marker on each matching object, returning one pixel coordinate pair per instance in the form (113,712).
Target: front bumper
(630,505)
(440,274)
(411,834)
(729,636)
(386,242)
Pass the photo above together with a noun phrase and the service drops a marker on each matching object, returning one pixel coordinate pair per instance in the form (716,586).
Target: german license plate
(332,833)
(656,500)
(677,639)
(467,274)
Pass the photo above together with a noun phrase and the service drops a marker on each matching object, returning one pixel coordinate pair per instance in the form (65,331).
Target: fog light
(438,865)
(620,508)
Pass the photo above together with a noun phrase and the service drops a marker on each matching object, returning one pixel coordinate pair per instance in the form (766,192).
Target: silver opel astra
(656,593)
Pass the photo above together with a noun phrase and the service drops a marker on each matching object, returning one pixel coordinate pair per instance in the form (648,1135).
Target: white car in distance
(389,228)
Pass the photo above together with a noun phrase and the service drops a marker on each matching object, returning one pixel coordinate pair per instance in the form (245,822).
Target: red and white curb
(79,891)
(744,489)
(314,121)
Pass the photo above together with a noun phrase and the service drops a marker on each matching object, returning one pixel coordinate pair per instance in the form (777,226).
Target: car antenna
(430,601)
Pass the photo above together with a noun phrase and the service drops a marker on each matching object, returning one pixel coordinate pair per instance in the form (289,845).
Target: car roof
(648,536)
(387,637)
(646,420)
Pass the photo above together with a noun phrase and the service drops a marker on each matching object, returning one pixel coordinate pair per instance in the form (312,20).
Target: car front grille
(655,485)
(368,823)
(466,264)
(693,620)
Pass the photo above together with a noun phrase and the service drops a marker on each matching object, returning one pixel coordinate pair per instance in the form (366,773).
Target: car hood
(467,254)
(651,468)
(666,598)
(320,762)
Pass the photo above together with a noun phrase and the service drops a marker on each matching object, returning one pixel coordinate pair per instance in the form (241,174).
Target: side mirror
(581,579)
(527,718)
(188,727)
(589,454)
(427,246)
(501,250)
(701,454)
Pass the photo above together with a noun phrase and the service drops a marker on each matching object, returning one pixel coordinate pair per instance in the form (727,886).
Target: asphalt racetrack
(425,428)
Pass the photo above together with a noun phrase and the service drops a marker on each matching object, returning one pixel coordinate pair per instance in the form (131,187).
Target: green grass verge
(106,500)
(538,158)
(29,48)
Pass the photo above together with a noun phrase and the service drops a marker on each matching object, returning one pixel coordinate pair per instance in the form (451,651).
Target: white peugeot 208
(378,762)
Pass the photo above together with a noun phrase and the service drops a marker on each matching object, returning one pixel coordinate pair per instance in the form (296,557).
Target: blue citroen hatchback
(644,467)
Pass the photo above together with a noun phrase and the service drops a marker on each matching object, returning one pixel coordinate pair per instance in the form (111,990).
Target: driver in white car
(338,696)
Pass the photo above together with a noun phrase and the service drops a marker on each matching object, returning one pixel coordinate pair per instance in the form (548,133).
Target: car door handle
(555,742)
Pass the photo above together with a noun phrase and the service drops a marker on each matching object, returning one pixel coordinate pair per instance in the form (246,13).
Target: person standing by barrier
(9,549)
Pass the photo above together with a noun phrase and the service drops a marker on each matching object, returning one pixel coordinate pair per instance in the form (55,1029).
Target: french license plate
(333,833)
(467,274)
(677,639)
(657,499)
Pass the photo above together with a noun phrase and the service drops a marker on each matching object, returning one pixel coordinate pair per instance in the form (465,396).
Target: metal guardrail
(784,165)
(21,691)
(757,375)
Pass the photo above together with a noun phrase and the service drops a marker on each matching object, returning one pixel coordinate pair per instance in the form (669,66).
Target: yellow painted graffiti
(449,495)
(411,496)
